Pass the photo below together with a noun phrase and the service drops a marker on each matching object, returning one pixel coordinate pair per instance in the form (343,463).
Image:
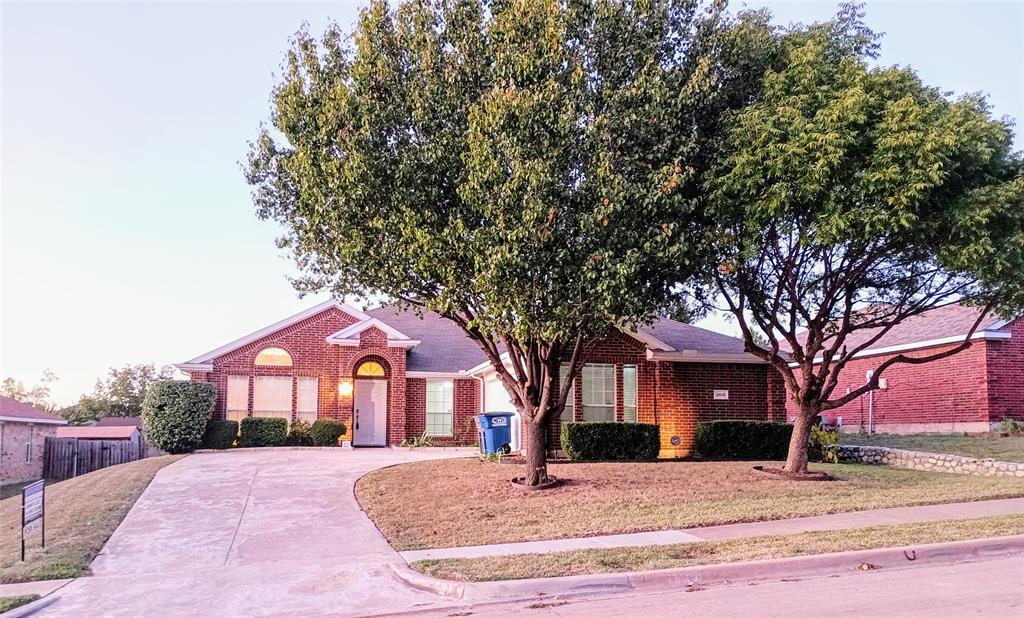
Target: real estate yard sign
(33,506)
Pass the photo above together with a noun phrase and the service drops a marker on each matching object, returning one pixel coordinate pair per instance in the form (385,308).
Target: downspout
(871,404)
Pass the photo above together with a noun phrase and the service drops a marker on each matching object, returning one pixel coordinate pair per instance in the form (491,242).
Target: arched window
(274,357)
(370,369)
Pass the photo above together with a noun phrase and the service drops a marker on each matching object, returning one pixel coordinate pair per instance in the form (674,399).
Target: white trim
(484,366)
(694,356)
(438,375)
(392,343)
(32,421)
(350,331)
(929,343)
(276,326)
(649,340)
(188,367)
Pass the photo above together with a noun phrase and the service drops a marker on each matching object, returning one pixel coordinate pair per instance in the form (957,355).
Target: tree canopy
(529,169)
(850,197)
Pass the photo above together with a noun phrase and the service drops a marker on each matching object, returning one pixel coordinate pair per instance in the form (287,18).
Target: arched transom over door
(370,405)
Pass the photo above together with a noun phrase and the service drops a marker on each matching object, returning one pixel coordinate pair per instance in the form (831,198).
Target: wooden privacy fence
(65,458)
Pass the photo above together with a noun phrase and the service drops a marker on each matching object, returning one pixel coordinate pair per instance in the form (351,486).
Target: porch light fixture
(345,388)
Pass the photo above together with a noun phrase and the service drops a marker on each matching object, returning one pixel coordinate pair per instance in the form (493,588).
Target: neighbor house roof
(119,421)
(15,411)
(939,326)
(96,432)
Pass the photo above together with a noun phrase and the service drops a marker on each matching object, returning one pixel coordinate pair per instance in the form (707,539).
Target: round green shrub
(326,431)
(263,431)
(298,434)
(220,434)
(175,414)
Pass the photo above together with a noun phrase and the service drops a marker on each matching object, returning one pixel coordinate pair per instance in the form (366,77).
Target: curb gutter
(731,573)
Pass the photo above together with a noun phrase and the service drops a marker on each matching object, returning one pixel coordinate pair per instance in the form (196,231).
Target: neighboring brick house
(392,375)
(971,391)
(23,432)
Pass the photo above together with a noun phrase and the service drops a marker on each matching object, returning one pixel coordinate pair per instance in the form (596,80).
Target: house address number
(721,394)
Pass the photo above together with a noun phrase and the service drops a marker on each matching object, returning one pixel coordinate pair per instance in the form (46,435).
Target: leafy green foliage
(610,441)
(263,431)
(327,431)
(525,168)
(822,439)
(849,198)
(754,440)
(37,395)
(421,441)
(175,414)
(120,394)
(220,434)
(299,434)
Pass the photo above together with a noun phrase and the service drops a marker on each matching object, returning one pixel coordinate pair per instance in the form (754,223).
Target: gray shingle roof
(446,347)
(443,345)
(689,337)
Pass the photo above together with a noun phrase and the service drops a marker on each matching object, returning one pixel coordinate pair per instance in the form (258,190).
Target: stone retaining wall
(934,462)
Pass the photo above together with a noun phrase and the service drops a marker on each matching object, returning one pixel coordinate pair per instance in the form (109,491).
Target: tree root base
(519,482)
(782,475)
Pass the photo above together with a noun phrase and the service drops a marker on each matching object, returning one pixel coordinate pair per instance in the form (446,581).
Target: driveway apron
(251,533)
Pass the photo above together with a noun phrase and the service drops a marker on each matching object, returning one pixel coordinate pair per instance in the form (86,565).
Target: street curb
(820,565)
(31,608)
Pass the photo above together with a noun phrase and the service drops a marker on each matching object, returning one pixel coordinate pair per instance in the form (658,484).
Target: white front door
(371,413)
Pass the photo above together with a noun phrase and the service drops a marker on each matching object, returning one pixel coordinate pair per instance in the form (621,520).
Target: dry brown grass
(1009,448)
(588,561)
(81,514)
(458,502)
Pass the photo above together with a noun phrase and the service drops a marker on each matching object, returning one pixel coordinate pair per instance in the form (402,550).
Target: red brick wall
(940,395)
(686,397)
(14,440)
(1005,361)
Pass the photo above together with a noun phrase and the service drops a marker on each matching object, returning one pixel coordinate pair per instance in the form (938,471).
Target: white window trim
(604,367)
(281,413)
(451,413)
(636,395)
(300,413)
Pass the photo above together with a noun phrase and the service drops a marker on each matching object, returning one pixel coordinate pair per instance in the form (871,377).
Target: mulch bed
(781,474)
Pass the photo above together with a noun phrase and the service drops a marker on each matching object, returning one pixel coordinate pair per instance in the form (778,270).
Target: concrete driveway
(251,533)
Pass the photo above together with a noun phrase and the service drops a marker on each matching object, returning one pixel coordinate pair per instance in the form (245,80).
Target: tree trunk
(796,459)
(536,452)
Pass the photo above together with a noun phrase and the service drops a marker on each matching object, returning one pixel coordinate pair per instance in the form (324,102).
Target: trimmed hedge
(326,431)
(759,440)
(175,414)
(220,434)
(298,434)
(742,439)
(263,431)
(610,441)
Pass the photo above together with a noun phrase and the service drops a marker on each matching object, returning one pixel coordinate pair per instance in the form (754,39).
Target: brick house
(971,391)
(23,432)
(391,375)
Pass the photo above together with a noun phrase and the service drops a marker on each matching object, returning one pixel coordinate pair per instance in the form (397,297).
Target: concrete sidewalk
(837,521)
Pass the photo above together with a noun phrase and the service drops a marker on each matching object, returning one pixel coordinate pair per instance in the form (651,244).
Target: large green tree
(850,198)
(119,394)
(525,168)
(37,395)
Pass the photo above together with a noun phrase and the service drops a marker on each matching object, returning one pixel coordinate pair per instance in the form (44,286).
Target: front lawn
(458,502)
(982,447)
(625,559)
(81,514)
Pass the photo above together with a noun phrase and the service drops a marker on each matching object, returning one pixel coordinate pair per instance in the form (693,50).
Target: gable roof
(202,362)
(96,432)
(938,326)
(444,347)
(16,411)
(349,336)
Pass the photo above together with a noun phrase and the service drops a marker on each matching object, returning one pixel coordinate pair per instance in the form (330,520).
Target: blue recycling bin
(495,432)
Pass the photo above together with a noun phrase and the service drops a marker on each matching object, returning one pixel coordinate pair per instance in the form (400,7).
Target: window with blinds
(599,392)
(272,396)
(440,407)
(629,393)
(307,395)
(238,398)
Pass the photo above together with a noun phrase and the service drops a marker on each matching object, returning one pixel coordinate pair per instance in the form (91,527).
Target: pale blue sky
(127,230)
